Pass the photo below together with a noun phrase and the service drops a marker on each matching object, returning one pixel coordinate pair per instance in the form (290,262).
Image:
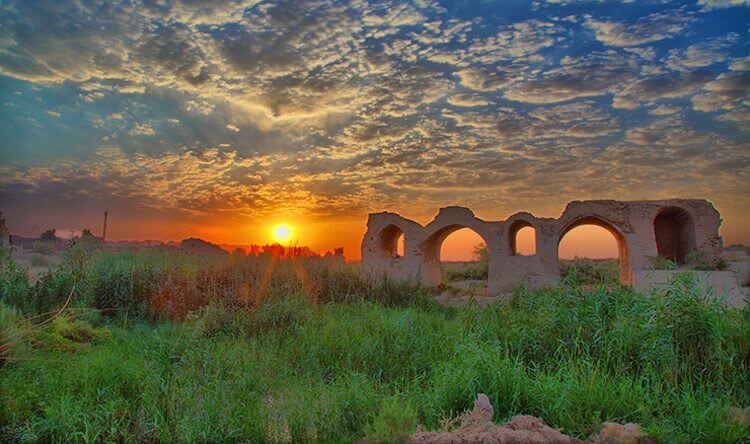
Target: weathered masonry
(673,228)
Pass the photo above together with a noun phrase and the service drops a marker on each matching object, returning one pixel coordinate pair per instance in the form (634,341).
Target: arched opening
(400,246)
(595,251)
(389,239)
(457,258)
(674,231)
(522,239)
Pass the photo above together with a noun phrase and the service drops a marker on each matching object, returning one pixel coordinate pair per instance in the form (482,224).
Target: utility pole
(104,231)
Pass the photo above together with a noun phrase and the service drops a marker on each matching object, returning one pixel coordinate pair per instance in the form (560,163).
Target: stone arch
(641,229)
(513,230)
(388,241)
(432,244)
(622,244)
(674,233)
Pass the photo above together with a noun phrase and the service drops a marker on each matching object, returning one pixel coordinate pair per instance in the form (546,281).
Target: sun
(282,233)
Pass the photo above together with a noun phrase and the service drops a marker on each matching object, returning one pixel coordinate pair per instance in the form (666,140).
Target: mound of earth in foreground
(478,427)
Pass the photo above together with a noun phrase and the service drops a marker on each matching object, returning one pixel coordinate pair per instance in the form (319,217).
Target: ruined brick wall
(642,229)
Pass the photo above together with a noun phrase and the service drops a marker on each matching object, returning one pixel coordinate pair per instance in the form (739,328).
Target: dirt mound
(739,416)
(613,433)
(478,427)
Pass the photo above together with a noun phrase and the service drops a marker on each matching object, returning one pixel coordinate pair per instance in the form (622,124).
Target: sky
(220,119)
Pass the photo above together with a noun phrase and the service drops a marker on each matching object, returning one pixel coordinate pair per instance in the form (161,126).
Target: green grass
(331,356)
(583,271)
(472,271)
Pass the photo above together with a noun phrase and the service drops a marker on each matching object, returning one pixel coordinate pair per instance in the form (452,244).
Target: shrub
(14,283)
(151,283)
(213,319)
(462,272)
(698,260)
(119,283)
(51,291)
(67,334)
(395,422)
(481,253)
(662,263)
(12,340)
(281,314)
(46,243)
(582,271)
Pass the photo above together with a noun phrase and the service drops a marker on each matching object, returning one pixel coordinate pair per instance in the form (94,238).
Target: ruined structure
(676,229)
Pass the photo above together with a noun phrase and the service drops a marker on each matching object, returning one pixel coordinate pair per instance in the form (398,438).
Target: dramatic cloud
(741,65)
(595,74)
(669,131)
(665,110)
(467,100)
(716,4)
(488,79)
(702,54)
(727,91)
(651,28)
(235,112)
(651,89)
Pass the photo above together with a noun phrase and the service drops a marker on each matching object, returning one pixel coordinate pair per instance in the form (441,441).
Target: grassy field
(165,346)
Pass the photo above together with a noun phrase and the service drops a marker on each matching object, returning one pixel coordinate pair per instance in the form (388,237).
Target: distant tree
(46,243)
(81,249)
(86,241)
(49,236)
(480,253)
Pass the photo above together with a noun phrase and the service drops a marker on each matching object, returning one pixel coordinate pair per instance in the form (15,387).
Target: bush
(12,340)
(52,290)
(696,260)
(582,271)
(148,284)
(216,318)
(67,334)
(474,271)
(464,272)
(662,263)
(281,314)
(395,422)
(14,283)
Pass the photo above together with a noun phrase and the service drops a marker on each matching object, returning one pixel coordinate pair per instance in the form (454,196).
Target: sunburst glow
(282,233)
